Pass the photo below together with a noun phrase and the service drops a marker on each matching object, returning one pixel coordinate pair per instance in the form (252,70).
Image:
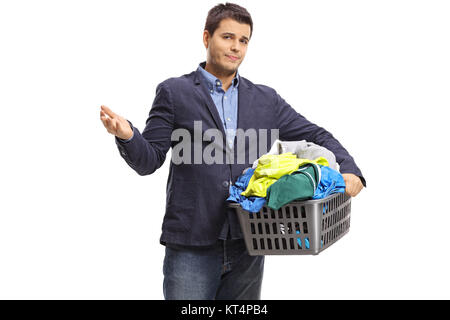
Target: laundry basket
(300,227)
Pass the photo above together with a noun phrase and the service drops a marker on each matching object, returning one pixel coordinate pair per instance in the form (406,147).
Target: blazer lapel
(202,91)
(246,115)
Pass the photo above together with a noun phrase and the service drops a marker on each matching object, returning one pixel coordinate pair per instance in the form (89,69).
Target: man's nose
(236,46)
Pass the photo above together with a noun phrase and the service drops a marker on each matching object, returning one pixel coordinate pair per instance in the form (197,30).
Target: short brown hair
(225,11)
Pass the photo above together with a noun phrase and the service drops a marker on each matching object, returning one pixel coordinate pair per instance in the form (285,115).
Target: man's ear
(206,38)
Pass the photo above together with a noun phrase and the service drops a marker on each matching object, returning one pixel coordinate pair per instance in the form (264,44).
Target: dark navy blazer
(196,209)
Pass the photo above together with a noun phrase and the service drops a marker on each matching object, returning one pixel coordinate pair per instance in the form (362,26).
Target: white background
(77,223)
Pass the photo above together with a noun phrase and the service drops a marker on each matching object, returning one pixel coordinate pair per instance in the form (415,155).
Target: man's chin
(227,68)
(230,69)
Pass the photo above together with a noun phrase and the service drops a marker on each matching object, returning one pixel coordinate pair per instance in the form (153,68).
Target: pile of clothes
(291,170)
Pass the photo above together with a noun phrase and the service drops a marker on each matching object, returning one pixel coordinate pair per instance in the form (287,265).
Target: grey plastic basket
(300,227)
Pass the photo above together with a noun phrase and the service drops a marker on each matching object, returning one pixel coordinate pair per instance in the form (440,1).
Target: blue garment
(331,182)
(222,271)
(226,102)
(252,204)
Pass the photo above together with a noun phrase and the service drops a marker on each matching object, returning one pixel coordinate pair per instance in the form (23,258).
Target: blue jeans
(224,271)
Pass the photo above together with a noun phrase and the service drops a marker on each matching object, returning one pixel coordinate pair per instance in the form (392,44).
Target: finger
(108,111)
(355,193)
(114,124)
(357,186)
(103,117)
(347,186)
(349,190)
(118,123)
(107,124)
(110,125)
(355,189)
(359,189)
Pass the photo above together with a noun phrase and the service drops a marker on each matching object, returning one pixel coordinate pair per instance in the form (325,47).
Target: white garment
(303,150)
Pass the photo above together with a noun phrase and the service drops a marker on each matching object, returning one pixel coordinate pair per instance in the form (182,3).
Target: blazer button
(225,184)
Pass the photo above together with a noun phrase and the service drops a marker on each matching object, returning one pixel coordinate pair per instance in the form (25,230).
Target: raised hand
(115,124)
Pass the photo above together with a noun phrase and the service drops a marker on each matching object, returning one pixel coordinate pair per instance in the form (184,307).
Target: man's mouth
(233,58)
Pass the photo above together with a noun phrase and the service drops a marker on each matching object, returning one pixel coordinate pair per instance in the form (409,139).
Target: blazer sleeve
(294,127)
(146,152)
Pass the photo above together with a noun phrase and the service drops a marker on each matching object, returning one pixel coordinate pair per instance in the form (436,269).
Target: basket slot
(325,208)
(305,227)
(289,227)
(288,212)
(307,243)
(299,243)
(255,244)
(277,244)
(252,228)
(267,228)
(303,212)
(260,228)
(282,228)
(275,229)
(295,212)
(269,244)
(283,241)
(272,213)
(291,242)
(265,213)
(262,243)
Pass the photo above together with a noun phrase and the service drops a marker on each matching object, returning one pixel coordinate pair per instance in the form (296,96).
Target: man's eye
(244,41)
(226,37)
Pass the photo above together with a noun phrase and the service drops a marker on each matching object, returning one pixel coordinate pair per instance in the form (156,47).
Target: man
(206,256)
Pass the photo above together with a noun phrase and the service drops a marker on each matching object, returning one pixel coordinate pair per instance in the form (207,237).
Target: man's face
(227,47)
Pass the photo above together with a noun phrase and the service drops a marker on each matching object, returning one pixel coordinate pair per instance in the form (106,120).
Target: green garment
(272,167)
(299,185)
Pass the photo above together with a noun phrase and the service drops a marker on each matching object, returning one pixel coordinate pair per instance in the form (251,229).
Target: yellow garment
(271,167)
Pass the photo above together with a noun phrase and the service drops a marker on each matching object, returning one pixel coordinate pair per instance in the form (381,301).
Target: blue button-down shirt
(227,106)
(226,103)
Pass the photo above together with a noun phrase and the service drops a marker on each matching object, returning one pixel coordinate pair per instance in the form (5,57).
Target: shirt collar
(212,81)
